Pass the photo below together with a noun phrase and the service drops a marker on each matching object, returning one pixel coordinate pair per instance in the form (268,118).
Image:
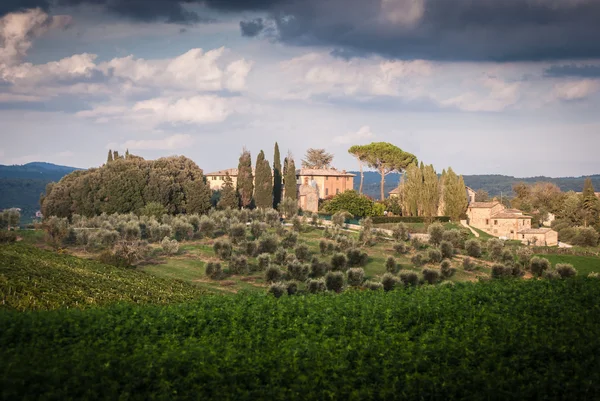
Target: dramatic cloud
(362,135)
(197,109)
(576,90)
(169,143)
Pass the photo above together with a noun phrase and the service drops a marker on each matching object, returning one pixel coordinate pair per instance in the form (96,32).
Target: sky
(487,87)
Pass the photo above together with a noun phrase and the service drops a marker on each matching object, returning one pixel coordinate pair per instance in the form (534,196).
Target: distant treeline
(495,185)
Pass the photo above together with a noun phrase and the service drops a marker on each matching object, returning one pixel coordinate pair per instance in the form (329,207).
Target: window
(337,191)
(495,222)
(326,191)
(487,222)
(523,236)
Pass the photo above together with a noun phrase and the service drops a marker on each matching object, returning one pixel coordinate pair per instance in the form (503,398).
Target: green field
(499,340)
(31,278)
(584,264)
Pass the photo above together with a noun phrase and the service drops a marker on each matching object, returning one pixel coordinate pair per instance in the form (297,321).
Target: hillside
(494,184)
(21,186)
(31,278)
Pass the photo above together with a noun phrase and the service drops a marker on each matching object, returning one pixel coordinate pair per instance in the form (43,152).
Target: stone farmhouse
(497,220)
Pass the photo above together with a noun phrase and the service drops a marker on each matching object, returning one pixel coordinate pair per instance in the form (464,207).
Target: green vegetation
(31,278)
(504,339)
(583,264)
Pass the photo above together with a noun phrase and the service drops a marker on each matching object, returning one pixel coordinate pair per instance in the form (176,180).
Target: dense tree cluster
(9,218)
(127,185)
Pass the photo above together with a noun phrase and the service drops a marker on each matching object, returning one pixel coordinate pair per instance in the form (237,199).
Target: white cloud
(577,89)
(169,143)
(494,95)
(196,109)
(364,133)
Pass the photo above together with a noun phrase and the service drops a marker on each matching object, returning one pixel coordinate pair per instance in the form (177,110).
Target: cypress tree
(455,197)
(590,203)
(263,193)
(229,198)
(245,181)
(277,177)
(115,155)
(198,194)
(127,154)
(430,195)
(412,189)
(110,156)
(291,188)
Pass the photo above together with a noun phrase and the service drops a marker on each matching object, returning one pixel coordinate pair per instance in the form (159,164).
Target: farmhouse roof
(504,215)
(483,205)
(536,231)
(325,172)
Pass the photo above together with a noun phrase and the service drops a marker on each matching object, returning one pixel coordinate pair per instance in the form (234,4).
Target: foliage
(447,249)
(302,252)
(431,276)
(263,192)
(315,286)
(268,243)
(273,274)
(447,269)
(278,289)
(356,257)
(229,197)
(454,195)
(407,219)
(538,266)
(170,247)
(456,237)
(495,247)
(436,232)
(500,271)
(214,270)
(340,217)
(8,237)
(468,264)
(223,249)
(400,248)
(356,276)
(277,177)
(298,270)
(339,262)
(317,159)
(318,268)
(418,260)
(289,207)
(389,281)
(390,265)
(290,186)
(409,278)
(351,202)
(565,270)
(434,255)
(473,248)
(400,232)
(334,281)
(245,179)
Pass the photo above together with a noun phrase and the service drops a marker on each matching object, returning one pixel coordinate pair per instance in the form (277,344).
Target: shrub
(126,253)
(339,262)
(214,270)
(373,285)
(291,287)
(170,247)
(390,265)
(456,237)
(595,275)
(431,276)
(223,249)
(268,244)
(473,248)
(537,266)
(408,219)
(238,265)
(289,240)
(524,256)
(334,281)
(182,230)
(132,232)
(271,217)
(447,269)
(278,289)
(400,232)
(586,236)
(409,278)
(500,271)
(468,264)
(351,202)
(289,207)
(237,233)
(250,248)
(281,230)
(298,271)
(400,248)
(316,286)
(8,237)
(302,253)
(344,242)
(389,281)
(264,261)
(507,257)
(356,257)
(435,231)
(273,274)
(434,255)
(551,275)
(356,276)
(158,232)
(447,249)
(418,260)
(417,244)
(318,268)
(280,256)
(565,270)
(323,247)
(339,218)
(297,224)
(257,229)
(495,247)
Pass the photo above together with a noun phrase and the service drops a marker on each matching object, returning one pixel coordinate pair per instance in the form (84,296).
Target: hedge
(408,219)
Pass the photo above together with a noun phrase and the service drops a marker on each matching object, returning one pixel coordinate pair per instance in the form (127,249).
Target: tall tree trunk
(362,177)
(382,183)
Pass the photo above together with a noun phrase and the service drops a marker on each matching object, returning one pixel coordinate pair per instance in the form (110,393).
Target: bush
(586,236)
(447,249)
(344,242)
(400,248)
(273,274)
(298,271)
(434,255)
(390,265)
(551,275)
(250,248)
(316,286)
(500,271)
(431,276)
(170,247)
(223,249)
(418,260)
(318,268)
(356,257)
(264,261)
(408,219)
(214,270)
(456,237)
(495,247)
(594,275)
(468,264)
(7,237)
(268,244)
(417,244)
(238,265)
(237,233)
(447,269)
(289,240)
(351,202)
(334,281)
(400,232)
(507,257)
(389,281)
(565,270)
(280,256)
(182,230)
(473,248)
(373,285)
(524,256)
(297,224)
(131,231)
(409,278)
(207,226)
(356,276)
(302,253)
(158,232)
(339,218)
(435,231)
(278,289)
(538,266)
(291,287)
(257,229)
(323,247)
(339,262)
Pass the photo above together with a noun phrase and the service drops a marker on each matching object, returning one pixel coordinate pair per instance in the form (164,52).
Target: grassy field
(584,264)
(499,340)
(31,278)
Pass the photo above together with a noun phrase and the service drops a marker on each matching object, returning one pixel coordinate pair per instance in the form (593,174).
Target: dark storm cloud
(572,70)
(252,28)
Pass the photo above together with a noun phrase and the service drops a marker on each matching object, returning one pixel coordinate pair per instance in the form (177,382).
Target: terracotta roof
(323,172)
(232,172)
(536,231)
(503,215)
(483,205)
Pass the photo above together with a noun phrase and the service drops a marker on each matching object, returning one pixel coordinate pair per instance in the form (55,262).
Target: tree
(116,155)
(277,177)
(387,158)
(430,196)
(263,192)
(350,201)
(110,156)
(482,196)
(413,183)
(229,198)
(127,154)
(198,194)
(455,198)
(317,159)
(290,183)
(590,203)
(245,180)
(358,152)
(154,209)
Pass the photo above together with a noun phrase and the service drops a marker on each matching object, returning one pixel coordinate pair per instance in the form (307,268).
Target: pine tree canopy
(317,159)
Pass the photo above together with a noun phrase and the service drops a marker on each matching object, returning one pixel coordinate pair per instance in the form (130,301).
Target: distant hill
(494,184)
(22,185)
